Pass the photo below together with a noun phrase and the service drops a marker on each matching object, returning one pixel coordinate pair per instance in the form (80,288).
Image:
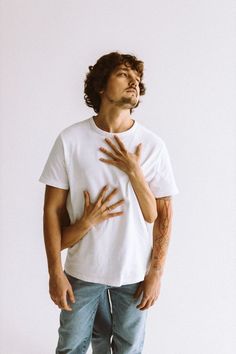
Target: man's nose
(133,82)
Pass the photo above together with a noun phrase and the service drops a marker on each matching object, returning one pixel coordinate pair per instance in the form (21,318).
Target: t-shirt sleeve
(163,183)
(55,172)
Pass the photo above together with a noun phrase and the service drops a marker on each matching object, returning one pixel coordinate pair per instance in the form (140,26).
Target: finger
(63,304)
(71,295)
(54,299)
(153,302)
(138,291)
(112,215)
(147,305)
(110,196)
(138,150)
(143,302)
(115,205)
(101,194)
(120,143)
(111,162)
(108,141)
(87,198)
(108,153)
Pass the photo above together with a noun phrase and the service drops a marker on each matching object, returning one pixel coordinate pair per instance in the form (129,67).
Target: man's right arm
(59,286)
(54,202)
(59,234)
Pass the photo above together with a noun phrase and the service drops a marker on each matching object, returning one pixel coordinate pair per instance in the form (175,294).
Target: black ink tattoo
(161,233)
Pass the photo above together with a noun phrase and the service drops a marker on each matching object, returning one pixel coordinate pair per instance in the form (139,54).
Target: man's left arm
(150,287)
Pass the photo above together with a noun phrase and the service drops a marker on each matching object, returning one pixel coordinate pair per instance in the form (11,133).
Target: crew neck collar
(105,133)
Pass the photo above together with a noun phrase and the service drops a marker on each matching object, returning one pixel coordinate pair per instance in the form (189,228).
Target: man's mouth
(132,90)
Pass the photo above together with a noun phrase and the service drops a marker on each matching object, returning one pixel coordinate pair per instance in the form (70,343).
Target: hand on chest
(109,160)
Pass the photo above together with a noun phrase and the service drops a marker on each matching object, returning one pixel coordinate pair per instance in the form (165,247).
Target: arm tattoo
(161,233)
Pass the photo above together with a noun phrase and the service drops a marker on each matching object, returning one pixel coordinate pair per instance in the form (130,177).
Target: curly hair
(98,75)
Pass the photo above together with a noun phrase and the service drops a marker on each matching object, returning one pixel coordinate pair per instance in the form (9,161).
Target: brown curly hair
(98,75)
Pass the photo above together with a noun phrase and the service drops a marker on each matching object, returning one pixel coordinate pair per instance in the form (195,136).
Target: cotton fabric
(116,251)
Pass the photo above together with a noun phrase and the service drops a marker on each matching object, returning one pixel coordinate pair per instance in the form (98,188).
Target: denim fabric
(121,328)
(102,327)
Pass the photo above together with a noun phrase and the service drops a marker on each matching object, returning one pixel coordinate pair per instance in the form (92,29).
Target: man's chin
(129,102)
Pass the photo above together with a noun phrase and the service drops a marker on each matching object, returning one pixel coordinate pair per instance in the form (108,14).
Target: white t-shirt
(116,251)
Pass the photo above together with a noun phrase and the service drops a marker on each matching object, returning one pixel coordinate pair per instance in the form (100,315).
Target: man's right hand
(59,287)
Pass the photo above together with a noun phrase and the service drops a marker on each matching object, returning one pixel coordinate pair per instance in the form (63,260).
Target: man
(110,246)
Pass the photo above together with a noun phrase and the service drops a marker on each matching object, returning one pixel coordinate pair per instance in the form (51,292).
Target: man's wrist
(55,272)
(156,271)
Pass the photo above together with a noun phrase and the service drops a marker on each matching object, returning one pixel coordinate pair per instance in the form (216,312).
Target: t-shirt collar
(109,134)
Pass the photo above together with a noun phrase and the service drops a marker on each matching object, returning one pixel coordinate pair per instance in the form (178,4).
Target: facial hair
(124,101)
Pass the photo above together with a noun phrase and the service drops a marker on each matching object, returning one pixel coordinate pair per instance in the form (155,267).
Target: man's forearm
(161,236)
(145,197)
(52,240)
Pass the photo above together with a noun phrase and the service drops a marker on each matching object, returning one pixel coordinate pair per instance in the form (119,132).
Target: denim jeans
(102,327)
(121,327)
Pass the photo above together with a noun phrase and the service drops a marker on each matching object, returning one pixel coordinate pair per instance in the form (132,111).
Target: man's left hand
(150,287)
(126,161)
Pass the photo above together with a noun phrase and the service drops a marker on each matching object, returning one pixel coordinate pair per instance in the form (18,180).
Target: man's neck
(114,121)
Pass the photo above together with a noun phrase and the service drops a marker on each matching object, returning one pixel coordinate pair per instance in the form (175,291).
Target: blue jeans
(121,328)
(102,327)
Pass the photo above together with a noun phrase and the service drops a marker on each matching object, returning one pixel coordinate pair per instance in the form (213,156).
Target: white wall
(188,48)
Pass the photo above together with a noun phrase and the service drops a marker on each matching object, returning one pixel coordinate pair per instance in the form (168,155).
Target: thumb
(139,291)
(138,150)
(86,198)
(71,295)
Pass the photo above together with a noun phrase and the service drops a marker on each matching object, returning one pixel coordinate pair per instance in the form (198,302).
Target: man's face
(122,87)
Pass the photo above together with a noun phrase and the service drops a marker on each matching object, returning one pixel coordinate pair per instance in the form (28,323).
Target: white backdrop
(188,48)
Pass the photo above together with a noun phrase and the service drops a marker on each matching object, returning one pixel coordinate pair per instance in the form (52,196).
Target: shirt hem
(53,183)
(103,281)
(166,194)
